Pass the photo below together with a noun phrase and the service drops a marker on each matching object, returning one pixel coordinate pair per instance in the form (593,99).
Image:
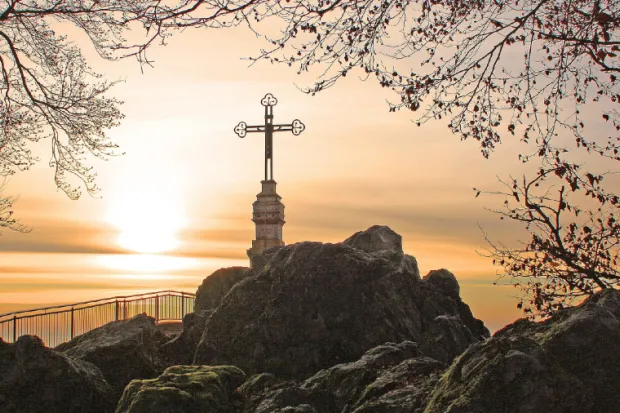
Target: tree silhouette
(49,92)
(7,220)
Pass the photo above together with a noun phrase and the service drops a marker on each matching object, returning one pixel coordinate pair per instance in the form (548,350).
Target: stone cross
(242,129)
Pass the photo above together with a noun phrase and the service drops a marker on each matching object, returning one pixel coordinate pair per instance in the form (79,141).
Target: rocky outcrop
(34,378)
(215,287)
(123,350)
(569,363)
(182,389)
(387,378)
(315,305)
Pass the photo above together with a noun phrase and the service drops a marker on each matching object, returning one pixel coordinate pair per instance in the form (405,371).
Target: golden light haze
(177,205)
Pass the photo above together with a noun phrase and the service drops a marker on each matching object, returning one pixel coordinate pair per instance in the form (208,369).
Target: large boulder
(314,305)
(123,350)
(445,281)
(381,241)
(568,363)
(215,287)
(34,378)
(378,238)
(182,389)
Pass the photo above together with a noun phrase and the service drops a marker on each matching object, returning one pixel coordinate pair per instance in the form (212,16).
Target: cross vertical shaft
(269,142)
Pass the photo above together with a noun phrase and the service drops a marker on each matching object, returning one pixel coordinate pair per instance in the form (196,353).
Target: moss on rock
(184,389)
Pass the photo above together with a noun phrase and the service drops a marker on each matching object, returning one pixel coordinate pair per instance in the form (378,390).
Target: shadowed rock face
(183,389)
(445,281)
(388,378)
(380,370)
(34,378)
(181,349)
(569,363)
(123,350)
(216,286)
(314,305)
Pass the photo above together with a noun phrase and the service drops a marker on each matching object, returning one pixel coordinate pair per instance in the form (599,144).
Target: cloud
(224,254)
(36,285)
(67,237)
(321,210)
(439,222)
(232,232)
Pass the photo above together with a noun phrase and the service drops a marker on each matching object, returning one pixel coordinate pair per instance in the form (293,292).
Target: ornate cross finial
(242,129)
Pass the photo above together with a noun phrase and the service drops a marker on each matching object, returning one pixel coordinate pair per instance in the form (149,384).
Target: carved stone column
(268,217)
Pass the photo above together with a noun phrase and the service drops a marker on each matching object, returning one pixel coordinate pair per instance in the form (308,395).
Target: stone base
(268,216)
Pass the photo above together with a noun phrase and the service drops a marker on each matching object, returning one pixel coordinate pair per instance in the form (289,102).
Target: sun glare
(148,221)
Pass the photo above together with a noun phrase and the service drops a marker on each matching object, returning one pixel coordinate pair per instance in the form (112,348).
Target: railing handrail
(100,300)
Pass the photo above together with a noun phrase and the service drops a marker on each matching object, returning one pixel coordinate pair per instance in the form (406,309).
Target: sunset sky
(178,204)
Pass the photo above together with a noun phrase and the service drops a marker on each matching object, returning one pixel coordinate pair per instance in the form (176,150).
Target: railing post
(182,305)
(116,310)
(14,328)
(72,322)
(124,309)
(156,308)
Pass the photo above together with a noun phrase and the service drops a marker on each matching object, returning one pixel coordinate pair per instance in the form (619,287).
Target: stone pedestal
(268,216)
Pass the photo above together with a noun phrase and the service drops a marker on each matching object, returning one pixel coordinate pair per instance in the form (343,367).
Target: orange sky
(184,189)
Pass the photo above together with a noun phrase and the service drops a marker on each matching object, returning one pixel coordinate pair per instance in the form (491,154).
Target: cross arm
(296,127)
(242,129)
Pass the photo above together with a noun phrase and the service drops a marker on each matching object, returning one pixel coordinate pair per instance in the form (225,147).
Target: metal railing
(58,324)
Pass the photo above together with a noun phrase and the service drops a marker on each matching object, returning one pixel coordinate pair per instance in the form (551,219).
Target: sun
(148,220)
